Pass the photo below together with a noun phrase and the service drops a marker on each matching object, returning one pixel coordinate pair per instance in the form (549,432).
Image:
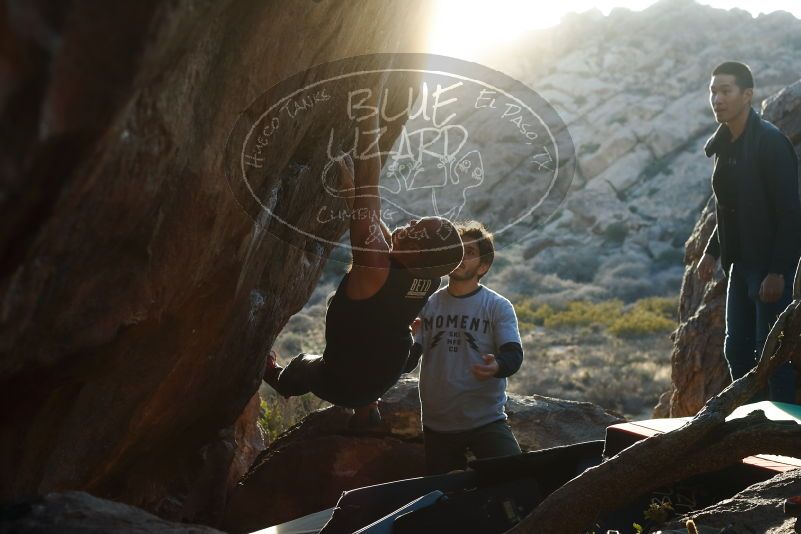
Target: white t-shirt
(455,333)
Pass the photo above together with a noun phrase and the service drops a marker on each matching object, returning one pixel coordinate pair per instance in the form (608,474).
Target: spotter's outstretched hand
(486,370)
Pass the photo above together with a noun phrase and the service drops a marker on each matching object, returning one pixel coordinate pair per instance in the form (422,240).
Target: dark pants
(748,322)
(308,373)
(301,376)
(445,451)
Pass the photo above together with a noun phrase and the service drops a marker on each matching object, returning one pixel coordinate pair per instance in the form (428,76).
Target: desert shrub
(629,266)
(289,343)
(664,306)
(519,282)
(529,314)
(304,332)
(670,257)
(583,313)
(654,315)
(270,421)
(616,232)
(535,246)
(278,414)
(576,263)
(631,289)
(648,316)
(628,278)
(500,262)
(639,322)
(320,295)
(300,322)
(657,166)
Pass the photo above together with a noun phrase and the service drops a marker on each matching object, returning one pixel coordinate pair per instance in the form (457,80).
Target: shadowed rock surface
(757,508)
(309,466)
(78,512)
(699,370)
(138,298)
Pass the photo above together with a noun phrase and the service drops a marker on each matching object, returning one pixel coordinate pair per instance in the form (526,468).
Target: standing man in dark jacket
(758,232)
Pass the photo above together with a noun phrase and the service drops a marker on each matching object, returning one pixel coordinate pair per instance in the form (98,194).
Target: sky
(465,28)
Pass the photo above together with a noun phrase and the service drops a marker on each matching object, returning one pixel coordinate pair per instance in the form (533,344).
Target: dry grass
(626,375)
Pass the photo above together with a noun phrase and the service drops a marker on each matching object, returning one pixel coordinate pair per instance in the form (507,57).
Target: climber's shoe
(365,417)
(272,369)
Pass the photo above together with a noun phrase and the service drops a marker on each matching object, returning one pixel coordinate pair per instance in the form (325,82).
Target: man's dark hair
(475,231)
(741,72)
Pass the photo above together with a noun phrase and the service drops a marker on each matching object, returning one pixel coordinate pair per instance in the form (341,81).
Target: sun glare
(463,28)
(472,29)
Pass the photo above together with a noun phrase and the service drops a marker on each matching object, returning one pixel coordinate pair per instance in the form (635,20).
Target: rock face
(76,511)
(320,453)
(248,439)
(699,370)
(138,298)
(757,508)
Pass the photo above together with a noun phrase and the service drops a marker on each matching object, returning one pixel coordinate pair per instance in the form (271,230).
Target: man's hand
(705,267)
(415,326)
(772,288)
(487,370)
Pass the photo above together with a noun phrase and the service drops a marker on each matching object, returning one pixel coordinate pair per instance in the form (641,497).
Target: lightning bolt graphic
(471,340)
(437,338)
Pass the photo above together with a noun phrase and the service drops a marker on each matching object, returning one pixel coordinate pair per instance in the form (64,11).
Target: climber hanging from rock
(367,325)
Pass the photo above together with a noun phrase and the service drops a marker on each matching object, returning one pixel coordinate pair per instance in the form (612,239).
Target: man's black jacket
(762,228)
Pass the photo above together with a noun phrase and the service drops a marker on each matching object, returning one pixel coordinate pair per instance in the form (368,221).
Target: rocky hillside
(633,90)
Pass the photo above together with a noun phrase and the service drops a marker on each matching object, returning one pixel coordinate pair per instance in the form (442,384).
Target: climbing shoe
(365,417)
(272,369)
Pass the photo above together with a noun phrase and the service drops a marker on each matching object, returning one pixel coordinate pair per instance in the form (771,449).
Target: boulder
(698,368)
(607,151)
(249,441)
(138,298)
(309,466)
(77,511)
(544,422)
(757,508)
(623,172)
(784,110)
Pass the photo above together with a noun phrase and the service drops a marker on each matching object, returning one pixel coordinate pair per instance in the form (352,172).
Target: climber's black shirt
(368,340)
